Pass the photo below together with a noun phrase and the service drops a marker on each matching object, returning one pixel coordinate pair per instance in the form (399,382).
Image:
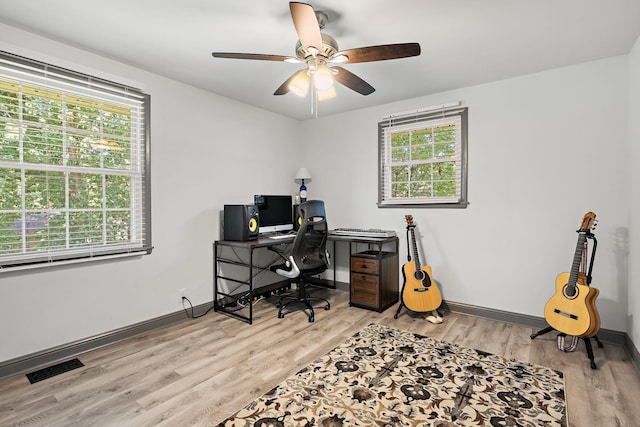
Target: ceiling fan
(319,51)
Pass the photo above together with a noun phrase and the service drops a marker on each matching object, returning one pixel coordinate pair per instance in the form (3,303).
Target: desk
(373,285)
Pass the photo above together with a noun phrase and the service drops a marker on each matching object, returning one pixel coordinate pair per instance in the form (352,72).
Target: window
(423,159)
(74,166)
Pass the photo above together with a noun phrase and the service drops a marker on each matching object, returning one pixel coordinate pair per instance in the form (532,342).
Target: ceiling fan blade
(258,56)
(381,52)
(306,23)
(284,87)
(352,81)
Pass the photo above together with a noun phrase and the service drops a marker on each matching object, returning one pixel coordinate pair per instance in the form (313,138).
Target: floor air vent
(52,371)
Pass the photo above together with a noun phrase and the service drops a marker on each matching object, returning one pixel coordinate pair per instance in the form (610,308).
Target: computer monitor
(275,213)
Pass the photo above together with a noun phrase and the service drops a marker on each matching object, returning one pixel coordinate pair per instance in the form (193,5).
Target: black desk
(239,257)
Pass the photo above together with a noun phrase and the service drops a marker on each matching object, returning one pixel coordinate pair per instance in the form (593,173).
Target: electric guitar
(419,292)
(572,309)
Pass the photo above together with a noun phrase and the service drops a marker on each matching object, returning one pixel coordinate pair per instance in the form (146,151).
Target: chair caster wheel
(327,307)
(311,319)
(280,316)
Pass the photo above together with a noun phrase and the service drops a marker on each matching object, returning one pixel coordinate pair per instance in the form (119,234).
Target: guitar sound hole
(419,275)
(570,292)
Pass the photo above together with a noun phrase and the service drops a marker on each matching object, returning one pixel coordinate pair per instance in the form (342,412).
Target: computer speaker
(241,222)
(297,217)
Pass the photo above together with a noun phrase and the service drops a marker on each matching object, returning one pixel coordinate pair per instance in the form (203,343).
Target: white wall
(633,321)
(204,152)
(544,149)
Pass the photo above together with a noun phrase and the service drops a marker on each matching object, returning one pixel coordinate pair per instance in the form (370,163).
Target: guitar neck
(416,258)
(577,260)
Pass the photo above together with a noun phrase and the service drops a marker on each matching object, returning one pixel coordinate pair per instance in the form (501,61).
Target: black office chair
(307,256)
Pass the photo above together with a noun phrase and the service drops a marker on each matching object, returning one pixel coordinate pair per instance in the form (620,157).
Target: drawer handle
(363,266)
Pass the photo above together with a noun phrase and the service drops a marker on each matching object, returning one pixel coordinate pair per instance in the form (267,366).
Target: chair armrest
(289,270)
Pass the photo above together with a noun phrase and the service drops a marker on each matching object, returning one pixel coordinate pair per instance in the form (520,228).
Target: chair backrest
(309,247)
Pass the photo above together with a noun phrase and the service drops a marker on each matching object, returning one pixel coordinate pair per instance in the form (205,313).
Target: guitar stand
(395,316)
(587,340)
(587,343)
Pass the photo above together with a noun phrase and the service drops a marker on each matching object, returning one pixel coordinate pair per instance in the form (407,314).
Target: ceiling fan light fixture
(300,84)
(326,94)
(322,79)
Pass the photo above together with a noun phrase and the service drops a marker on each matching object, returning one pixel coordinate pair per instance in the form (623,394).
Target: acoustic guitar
(572,309)
(419,292)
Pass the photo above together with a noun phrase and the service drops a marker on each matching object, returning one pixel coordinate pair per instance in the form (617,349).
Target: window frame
(417,120)
(35,75)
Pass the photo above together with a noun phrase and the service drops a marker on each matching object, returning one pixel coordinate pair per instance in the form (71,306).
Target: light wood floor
(200,371)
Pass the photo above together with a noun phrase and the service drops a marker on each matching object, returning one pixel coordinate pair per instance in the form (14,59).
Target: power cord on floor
(193,316)
(241,302)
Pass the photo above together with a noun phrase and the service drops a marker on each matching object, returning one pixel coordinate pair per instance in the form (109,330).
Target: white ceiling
(464,42)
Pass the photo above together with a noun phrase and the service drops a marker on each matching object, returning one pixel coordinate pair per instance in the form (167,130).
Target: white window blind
(74,166)
(422,159)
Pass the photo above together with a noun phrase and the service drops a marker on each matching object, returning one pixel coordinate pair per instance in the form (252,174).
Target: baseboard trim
(41,359)
(34,361)
(633,353)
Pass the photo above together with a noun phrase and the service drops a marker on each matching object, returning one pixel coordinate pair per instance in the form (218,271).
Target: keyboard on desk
(281,236)
(363,232)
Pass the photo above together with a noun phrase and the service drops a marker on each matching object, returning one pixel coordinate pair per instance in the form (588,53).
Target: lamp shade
(303,173)
(300,83)
(326,94)
(322,79)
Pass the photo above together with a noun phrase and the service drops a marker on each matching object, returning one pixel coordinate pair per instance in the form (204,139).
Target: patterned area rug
(386,377)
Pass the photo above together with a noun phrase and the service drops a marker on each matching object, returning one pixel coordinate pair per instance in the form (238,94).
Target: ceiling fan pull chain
(314,100)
